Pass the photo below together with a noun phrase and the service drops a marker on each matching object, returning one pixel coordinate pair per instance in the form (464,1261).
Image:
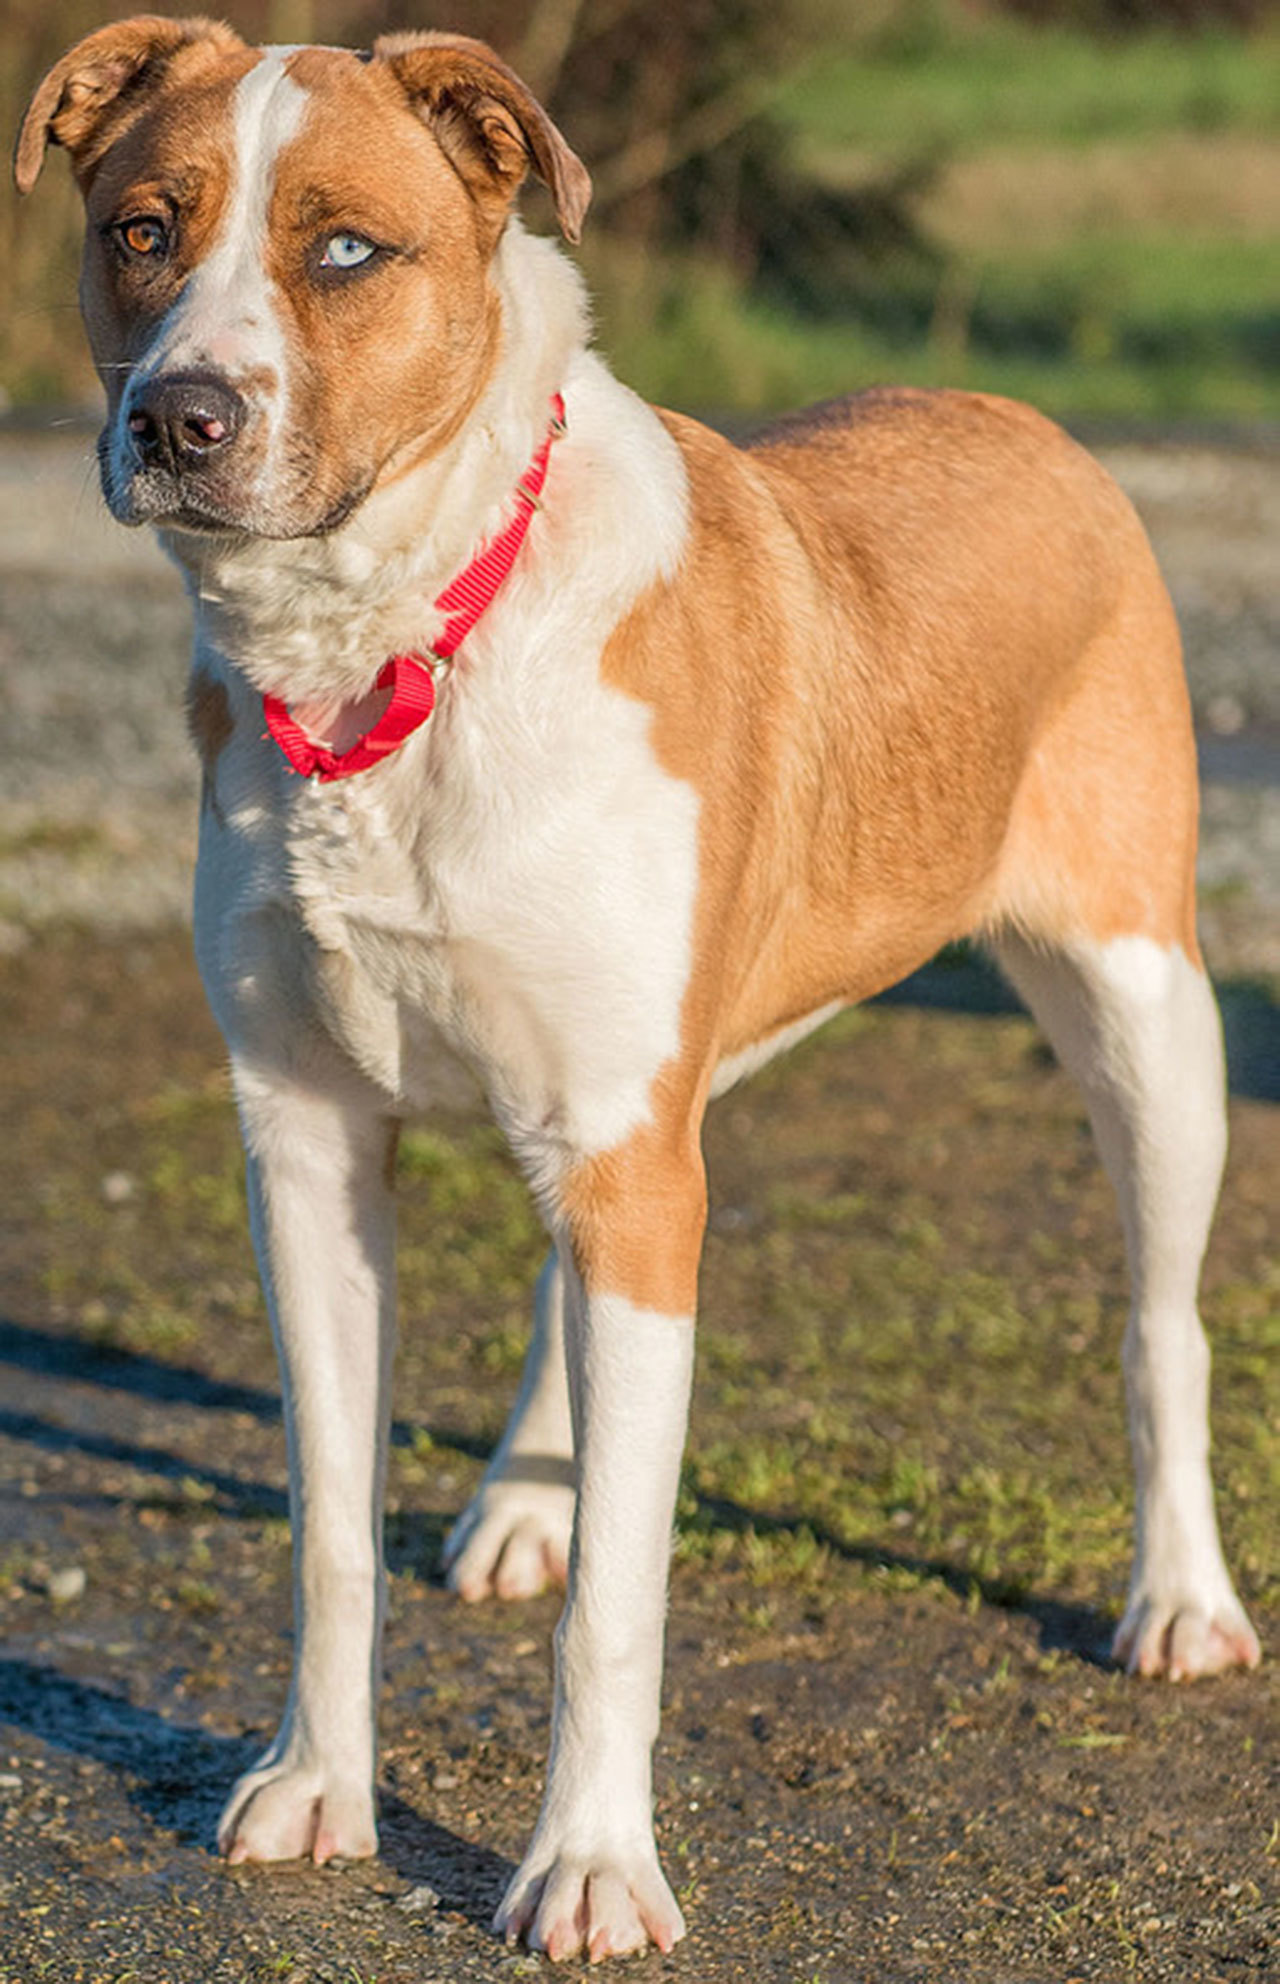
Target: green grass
(950,88)
(477,1235)
(908,1379)
(1082,305)
(1108,327)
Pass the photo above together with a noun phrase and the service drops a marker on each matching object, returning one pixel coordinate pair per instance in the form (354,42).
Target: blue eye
(346,251)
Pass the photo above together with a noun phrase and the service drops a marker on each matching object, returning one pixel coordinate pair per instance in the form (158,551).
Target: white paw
(1183,1638)
(511,1541)
(607,1904)
(288,1811)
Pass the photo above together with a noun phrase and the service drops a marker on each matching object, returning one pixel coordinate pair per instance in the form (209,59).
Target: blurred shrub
(1102,16)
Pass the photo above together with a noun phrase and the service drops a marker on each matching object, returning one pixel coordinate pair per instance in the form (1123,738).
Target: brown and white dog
(744,735)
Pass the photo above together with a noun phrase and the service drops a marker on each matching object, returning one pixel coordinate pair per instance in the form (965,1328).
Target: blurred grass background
(1076,201)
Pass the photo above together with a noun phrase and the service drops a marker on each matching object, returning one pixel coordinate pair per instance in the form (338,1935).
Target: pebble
(1225,715)
(418,1900)
(65,1585)
(117,1187)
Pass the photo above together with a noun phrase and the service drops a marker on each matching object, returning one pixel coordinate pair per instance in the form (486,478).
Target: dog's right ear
(84,96)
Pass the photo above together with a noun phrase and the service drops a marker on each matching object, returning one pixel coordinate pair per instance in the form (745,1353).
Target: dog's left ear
(492,128)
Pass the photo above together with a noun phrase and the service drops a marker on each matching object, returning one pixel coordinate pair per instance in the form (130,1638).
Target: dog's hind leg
(512,1539)
(1137,1025)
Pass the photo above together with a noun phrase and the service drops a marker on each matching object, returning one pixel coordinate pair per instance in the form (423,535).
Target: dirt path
(893,1749)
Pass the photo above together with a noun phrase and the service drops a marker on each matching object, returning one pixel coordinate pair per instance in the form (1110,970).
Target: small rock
(1225,715)
(10,1781)
(419,1900)
(65,1585)
(117,1186)
(444,1780)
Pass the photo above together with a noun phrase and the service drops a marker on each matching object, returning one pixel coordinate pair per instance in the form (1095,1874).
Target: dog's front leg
(321,1209)
(591,1881)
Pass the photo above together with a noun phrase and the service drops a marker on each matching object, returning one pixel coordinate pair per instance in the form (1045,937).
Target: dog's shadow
(1063,1627)
(177,1777)
(962,980)
(414,1539)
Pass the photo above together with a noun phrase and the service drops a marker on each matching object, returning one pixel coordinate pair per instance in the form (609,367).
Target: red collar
(410,678)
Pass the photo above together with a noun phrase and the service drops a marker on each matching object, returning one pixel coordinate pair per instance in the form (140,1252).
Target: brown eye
(144,236)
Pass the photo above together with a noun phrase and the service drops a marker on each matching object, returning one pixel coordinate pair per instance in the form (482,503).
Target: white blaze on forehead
(227,317)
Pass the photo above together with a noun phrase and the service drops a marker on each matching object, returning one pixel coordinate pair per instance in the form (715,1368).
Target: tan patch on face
(388,361)
(384,365)
(172,161)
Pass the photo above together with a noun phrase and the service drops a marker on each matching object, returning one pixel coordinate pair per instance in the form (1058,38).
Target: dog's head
(286,277)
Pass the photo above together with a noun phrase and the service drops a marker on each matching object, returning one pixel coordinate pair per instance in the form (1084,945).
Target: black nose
(180,420)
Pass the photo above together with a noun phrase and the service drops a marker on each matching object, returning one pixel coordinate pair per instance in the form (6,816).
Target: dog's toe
(593,1908)
(278,1813)
(1184,1641)
(511,1542)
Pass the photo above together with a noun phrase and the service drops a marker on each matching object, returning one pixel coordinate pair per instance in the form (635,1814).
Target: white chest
(519,884)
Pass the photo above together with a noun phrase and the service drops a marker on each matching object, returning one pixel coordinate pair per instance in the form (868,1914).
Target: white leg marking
(591,1881)
(512,1539)
(323,1225)
(1138,1028)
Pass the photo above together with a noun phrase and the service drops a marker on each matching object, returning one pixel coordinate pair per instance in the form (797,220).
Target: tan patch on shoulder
(635,1215)
(911,628)
(834,418)
(209,719)
(390,1154)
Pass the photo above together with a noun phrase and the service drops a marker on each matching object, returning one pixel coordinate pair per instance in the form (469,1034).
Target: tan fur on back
(914,638)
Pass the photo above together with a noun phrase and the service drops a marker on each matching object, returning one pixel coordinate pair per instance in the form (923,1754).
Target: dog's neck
(311,620)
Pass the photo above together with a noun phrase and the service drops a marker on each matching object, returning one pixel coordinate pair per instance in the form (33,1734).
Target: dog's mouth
(200,504)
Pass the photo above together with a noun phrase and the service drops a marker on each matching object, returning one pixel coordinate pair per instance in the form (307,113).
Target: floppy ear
(81,99)
(492,128)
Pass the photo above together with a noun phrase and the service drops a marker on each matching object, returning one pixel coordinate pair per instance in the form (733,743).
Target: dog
(556,732)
